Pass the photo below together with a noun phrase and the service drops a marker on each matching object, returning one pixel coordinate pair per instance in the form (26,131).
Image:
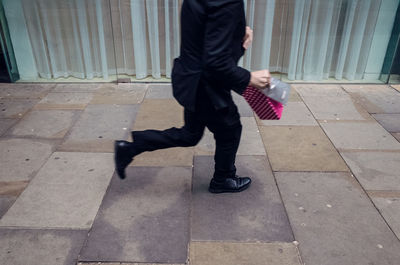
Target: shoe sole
(228,191)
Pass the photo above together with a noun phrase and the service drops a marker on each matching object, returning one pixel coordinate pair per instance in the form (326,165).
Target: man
(214,37)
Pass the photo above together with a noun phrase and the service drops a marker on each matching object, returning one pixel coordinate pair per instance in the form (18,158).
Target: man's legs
(150,140)
(224,124)
(189,135)
(226,127)
(227,141)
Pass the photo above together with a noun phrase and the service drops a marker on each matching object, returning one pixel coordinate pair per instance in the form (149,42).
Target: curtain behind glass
(146,34)
(79,38)
(307,39)
(70,38)
(331,38)
(315,40)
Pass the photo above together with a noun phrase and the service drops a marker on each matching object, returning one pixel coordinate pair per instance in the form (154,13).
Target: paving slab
(294,95)
(5,204)
(65,101)
(119,94)
(161,114)
(40,247)
(310,90)
(254,215)
(144,218)
(15,109)
(294,114)
(227,253)
(59,197)
(206,146)
(298,148)
(334,221)
(391,122)
(77,87)
(178,156)
(375,170)
(99,126)
(243,107)
(52,124)
(5,124)
(250,142)
(397,87)
(25,91)
(159,91)
(330,102)
(375,98)
(397,136)
(384,193)
(352,135)
(108,263)
(390,209)
(12,188)
(20,159)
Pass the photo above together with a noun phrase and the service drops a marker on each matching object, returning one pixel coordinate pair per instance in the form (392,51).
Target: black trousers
(224,124)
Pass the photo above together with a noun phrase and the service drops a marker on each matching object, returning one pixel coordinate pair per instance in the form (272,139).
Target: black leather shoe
(235,184)
(122,157)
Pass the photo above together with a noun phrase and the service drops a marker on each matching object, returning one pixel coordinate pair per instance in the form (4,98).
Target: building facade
(110,40)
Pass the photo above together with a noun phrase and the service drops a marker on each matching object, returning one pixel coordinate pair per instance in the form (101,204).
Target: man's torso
(188,73)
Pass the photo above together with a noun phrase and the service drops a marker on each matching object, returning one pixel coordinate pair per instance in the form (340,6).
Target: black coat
(212,34)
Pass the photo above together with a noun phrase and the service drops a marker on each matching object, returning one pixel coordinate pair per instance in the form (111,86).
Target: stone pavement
(326,187)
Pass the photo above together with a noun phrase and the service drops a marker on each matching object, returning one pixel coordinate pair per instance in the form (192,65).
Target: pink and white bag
(265,107)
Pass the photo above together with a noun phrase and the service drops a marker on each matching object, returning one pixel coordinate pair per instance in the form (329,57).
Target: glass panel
(125,40)
(146,38)
(62,40)
(334,41)
(9,71)
(321,40)
(268,19)
(394,77)
(298,40)
(392,61)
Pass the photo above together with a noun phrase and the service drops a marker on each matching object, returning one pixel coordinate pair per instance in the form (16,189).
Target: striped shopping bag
(265,107)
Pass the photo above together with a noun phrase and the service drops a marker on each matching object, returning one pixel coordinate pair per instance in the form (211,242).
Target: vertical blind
(305,39)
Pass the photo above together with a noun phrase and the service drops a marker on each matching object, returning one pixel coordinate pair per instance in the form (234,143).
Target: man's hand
(248,38)
(260,79)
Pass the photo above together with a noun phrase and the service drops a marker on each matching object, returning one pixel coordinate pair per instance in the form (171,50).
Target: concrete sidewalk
(326,187)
